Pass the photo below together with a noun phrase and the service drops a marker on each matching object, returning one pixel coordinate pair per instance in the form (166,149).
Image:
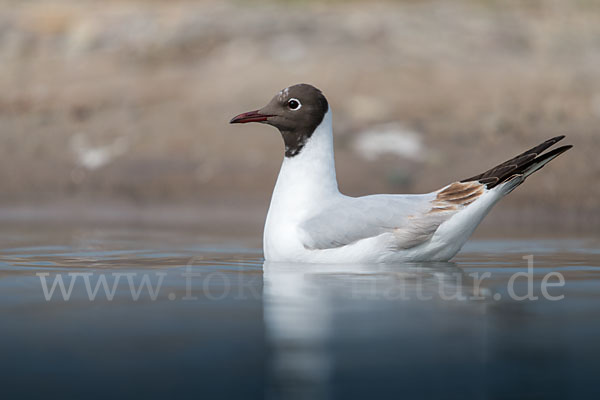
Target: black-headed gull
(309,220)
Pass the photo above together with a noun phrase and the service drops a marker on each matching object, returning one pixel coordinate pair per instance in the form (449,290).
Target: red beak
(250,116)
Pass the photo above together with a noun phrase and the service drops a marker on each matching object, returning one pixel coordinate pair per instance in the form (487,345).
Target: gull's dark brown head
(296,111)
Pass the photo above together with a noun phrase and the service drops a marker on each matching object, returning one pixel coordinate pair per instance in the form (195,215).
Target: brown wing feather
(456,195)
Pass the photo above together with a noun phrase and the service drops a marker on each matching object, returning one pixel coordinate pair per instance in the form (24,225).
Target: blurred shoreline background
(117,111)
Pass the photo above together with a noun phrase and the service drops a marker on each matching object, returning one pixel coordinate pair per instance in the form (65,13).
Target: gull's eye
(294,104)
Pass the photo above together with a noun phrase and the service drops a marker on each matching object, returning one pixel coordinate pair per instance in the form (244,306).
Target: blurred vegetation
(129,100)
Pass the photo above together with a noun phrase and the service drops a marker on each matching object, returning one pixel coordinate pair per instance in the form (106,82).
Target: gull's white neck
(309,176)
(305,183)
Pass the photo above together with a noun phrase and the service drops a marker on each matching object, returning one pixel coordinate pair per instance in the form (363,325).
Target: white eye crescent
(294,104)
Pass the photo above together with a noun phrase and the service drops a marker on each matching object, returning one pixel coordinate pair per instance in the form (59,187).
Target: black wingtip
(550,142)
(519,163)
(561,149)
(551,154)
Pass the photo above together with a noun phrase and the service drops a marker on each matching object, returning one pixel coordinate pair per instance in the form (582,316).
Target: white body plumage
(307,190)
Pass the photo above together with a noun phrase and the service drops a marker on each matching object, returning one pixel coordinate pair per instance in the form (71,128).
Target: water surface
(188,315)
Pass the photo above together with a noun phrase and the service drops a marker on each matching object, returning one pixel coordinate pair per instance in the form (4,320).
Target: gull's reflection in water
(304,307)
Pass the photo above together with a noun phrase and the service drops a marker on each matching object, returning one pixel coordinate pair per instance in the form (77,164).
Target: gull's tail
(520,167)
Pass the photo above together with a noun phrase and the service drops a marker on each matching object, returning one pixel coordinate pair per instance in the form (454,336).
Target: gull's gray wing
(413,219)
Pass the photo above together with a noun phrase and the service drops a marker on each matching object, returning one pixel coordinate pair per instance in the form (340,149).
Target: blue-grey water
(146,313)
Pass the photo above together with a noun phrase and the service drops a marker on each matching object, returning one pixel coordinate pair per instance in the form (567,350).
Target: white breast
(306,183)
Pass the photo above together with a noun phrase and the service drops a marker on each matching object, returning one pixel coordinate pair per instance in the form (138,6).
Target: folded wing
(411,219)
